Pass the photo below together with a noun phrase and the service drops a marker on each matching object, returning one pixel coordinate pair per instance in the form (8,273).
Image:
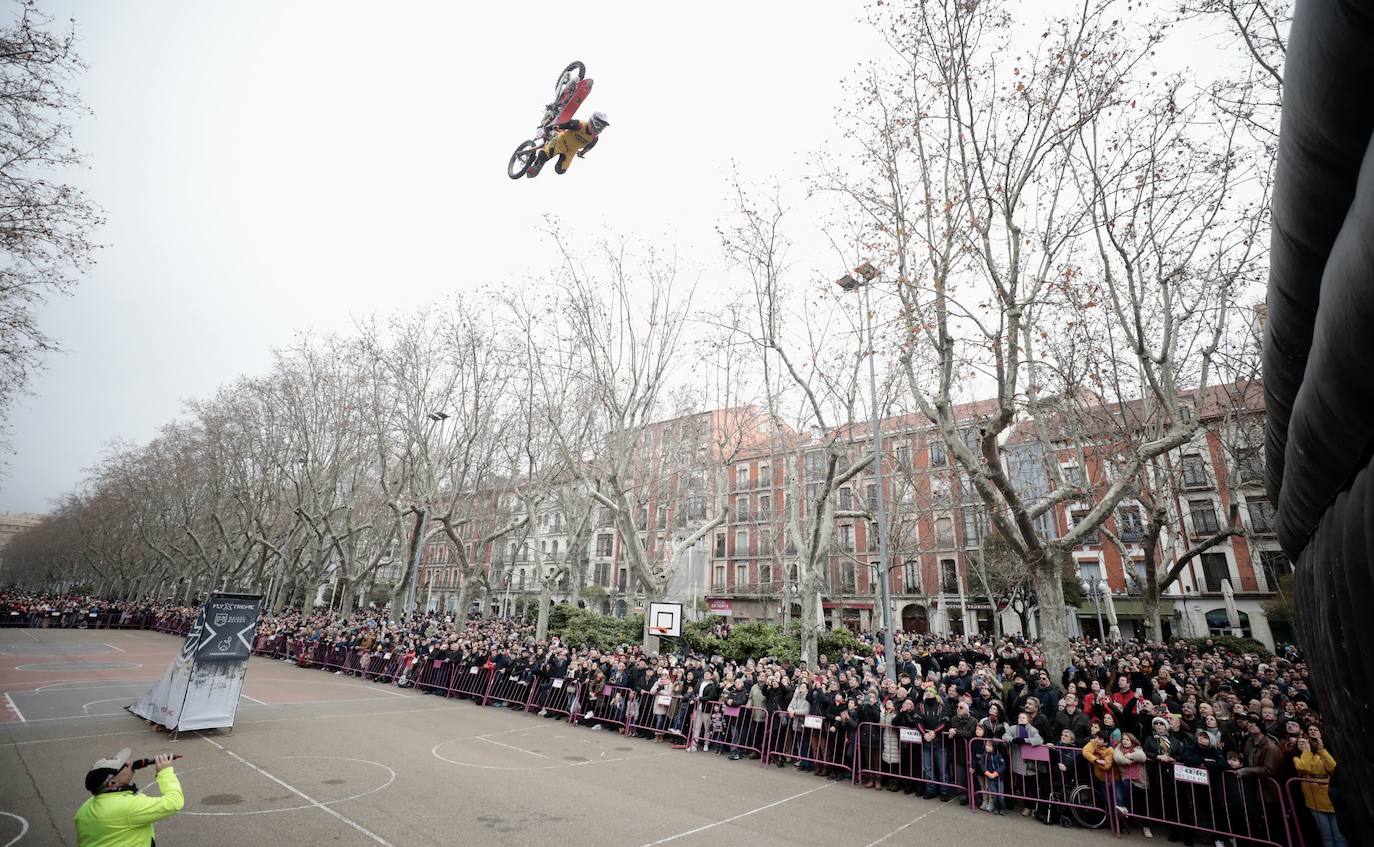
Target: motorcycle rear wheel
(572,74)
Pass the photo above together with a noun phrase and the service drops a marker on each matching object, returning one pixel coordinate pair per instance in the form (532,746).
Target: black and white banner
(200,688)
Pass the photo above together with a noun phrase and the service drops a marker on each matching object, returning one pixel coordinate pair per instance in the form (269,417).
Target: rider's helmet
(599,121)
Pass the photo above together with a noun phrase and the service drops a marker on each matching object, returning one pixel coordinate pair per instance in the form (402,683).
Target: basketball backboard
(665,619)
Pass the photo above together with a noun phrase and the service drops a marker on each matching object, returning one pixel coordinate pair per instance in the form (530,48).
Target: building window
(662,517)
(741,575)
(944,532)
(1073,475)
(765,543)
(1214,570)
(765,573)
(848,585)
(1195,472)
(847,538)
(741,543)
(1218,624)
(741,477)
(939,491)
(1128,524)
(871,535)
(606,517)
(718,581)
(1204,516)
(871,495)
(623,580)
(741,509)
(696,508)
(975,526)
(1261,515)
(904,456)
(938,459)
(765,507)
(1077,516)
(720,545)
(949,576)
(603,574)
(911,576)
(1089,572)
(846,499)
(765,475)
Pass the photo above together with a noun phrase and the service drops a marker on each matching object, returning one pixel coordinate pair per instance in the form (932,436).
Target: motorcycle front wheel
(521,159)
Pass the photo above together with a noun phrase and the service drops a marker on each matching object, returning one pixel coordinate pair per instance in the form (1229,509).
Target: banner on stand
(200,688)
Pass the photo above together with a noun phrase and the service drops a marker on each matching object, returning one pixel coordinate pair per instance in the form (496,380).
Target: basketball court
(319,758)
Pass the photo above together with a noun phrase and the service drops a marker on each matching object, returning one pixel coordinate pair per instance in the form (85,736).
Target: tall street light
(867,274)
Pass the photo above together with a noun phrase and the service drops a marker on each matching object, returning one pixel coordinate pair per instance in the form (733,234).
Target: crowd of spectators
(1113,724)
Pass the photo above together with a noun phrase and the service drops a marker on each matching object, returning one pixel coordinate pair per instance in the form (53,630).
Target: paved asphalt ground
(321,759)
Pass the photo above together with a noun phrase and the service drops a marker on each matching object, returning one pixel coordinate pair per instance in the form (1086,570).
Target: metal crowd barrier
(902,756)
(812,741)
(1212,801)
(610,706)
(510,688)
(1055,783)
(663,714)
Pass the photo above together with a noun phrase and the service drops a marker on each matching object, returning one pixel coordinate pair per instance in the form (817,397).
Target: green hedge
(1232,643)
(746,641)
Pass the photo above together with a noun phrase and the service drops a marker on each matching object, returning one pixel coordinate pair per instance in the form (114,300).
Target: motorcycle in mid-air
(572,88)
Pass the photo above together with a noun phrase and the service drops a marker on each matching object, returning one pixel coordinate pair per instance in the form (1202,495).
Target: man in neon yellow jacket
(116,815)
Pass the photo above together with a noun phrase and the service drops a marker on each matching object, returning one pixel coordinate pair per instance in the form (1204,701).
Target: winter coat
(1316,765)
(1100,755)
(1018,736)
(1132,766)
(892,750)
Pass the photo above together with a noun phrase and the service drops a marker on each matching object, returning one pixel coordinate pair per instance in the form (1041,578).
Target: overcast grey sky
(268,167)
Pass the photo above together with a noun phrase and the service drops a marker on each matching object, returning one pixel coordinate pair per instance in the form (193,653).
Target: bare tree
(47,223)
(814,365)
(1030,200)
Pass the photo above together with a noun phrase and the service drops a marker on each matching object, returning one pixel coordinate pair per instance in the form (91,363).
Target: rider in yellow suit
(574,138)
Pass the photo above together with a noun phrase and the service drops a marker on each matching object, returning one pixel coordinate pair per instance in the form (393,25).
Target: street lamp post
(1094,589)
(867,274)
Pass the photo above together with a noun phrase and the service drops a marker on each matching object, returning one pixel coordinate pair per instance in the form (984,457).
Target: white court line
(513,747)
(142,730)
(253,700)
(301,794)
(272,705)
(740,815)
(103,683)
(903,827)
(34,637)
(112,647)
(10,701)
(23,828)
(85,706)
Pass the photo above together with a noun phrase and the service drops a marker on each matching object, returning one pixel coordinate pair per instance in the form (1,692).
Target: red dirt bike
(572,88)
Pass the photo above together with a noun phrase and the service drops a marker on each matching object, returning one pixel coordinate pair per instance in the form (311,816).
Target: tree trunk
(1054,625)
(460,614)
(541,629)
(1153,628)
(811,619)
